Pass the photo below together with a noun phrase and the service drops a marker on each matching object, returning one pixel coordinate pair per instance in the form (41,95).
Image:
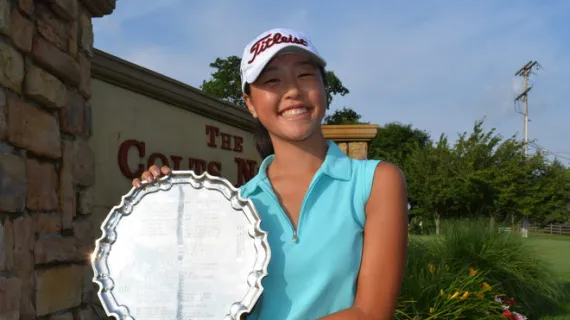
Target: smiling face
(289,97)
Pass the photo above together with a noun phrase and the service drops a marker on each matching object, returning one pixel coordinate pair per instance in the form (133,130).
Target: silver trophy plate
(183,247)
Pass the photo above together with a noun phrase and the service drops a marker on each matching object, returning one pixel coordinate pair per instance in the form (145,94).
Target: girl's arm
(385,247)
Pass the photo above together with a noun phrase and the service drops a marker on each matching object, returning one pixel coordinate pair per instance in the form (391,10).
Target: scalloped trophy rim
(98,258)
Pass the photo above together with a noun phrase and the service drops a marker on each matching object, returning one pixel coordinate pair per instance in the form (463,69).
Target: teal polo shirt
(313,270)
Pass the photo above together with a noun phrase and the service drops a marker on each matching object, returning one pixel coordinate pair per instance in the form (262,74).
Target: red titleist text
(269,41)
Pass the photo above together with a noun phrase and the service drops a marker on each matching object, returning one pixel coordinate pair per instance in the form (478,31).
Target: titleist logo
(269,41)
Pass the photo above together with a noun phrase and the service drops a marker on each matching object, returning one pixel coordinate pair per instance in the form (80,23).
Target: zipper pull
(295,236)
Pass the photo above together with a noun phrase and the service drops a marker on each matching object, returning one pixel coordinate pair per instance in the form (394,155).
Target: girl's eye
(305,74)
(271,80)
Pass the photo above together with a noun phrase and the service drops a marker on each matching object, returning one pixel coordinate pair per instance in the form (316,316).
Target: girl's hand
(150,175)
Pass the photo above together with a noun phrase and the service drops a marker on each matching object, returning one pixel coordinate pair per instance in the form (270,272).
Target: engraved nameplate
(184,247)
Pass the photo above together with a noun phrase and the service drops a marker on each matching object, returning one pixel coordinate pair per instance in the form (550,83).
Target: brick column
(352,139)
(46,165)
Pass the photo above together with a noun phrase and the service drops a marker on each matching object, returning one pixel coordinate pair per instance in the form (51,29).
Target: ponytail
(263,142)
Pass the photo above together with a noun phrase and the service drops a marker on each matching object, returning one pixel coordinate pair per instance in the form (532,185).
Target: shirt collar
(337,165)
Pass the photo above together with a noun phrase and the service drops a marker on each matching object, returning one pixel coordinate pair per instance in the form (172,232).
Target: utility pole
(525,72)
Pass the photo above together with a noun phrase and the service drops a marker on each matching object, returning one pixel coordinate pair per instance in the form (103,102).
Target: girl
(337,227)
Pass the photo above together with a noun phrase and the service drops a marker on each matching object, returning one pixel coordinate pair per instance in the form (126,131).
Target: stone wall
(353,140)
(46,165)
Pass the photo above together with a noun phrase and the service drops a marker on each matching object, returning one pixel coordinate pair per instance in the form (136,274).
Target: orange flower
(485,286)
(465,295)
(431,268)
(472,271)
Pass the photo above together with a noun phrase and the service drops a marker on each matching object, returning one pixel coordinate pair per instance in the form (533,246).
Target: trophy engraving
(183,247)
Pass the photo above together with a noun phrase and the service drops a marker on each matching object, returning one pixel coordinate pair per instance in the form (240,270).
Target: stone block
(33,129)
(58,288)
(85,205)
(87,314)
(85,238)
(84,167)
(358,150)
(47,223)
(3,111)
(5,18)
(6,246)
(10,296)
(343,146)
(42,185)
(85,84)
(88,121)
(22,31)
(73,43)
(50,250)
(63,316)
(12,64)
(89,288)
(86,36)
(53,28)
(67,199)
(56,61)
(24,240)
(72,115)
(13,183)
(66,9)
(27,6)
(45,88)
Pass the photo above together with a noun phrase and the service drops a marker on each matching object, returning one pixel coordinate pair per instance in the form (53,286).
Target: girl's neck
(300,157)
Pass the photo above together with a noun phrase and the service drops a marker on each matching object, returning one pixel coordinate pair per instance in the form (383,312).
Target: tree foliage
(481,174)
(343,116)
(225,82)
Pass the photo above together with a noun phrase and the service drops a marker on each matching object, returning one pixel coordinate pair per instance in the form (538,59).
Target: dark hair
(261,136)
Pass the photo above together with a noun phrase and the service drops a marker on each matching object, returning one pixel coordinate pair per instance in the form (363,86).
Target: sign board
(131,131)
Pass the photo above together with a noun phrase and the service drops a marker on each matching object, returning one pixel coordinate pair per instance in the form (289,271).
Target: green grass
(553,250)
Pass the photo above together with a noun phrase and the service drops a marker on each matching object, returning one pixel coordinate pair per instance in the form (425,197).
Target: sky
(438,65)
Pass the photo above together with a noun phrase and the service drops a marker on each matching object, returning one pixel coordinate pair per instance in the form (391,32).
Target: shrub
(432,290)
(509,263)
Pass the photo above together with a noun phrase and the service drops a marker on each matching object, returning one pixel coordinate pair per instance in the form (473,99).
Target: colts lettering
(269,41)
(216,138)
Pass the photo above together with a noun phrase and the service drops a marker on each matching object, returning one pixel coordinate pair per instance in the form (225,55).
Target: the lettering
(124,158)
(212,132)
(238,144)
(228,141)
(246,170)
(268,41)
(176,162)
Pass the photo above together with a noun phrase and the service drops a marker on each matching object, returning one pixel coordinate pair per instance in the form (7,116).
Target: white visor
(269,44)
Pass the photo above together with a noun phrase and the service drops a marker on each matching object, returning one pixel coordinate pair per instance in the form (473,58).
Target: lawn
(555,250)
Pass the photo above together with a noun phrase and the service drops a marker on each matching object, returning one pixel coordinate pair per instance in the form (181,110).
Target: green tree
(434,187)
(225,82)
(395,142)
(343,116)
